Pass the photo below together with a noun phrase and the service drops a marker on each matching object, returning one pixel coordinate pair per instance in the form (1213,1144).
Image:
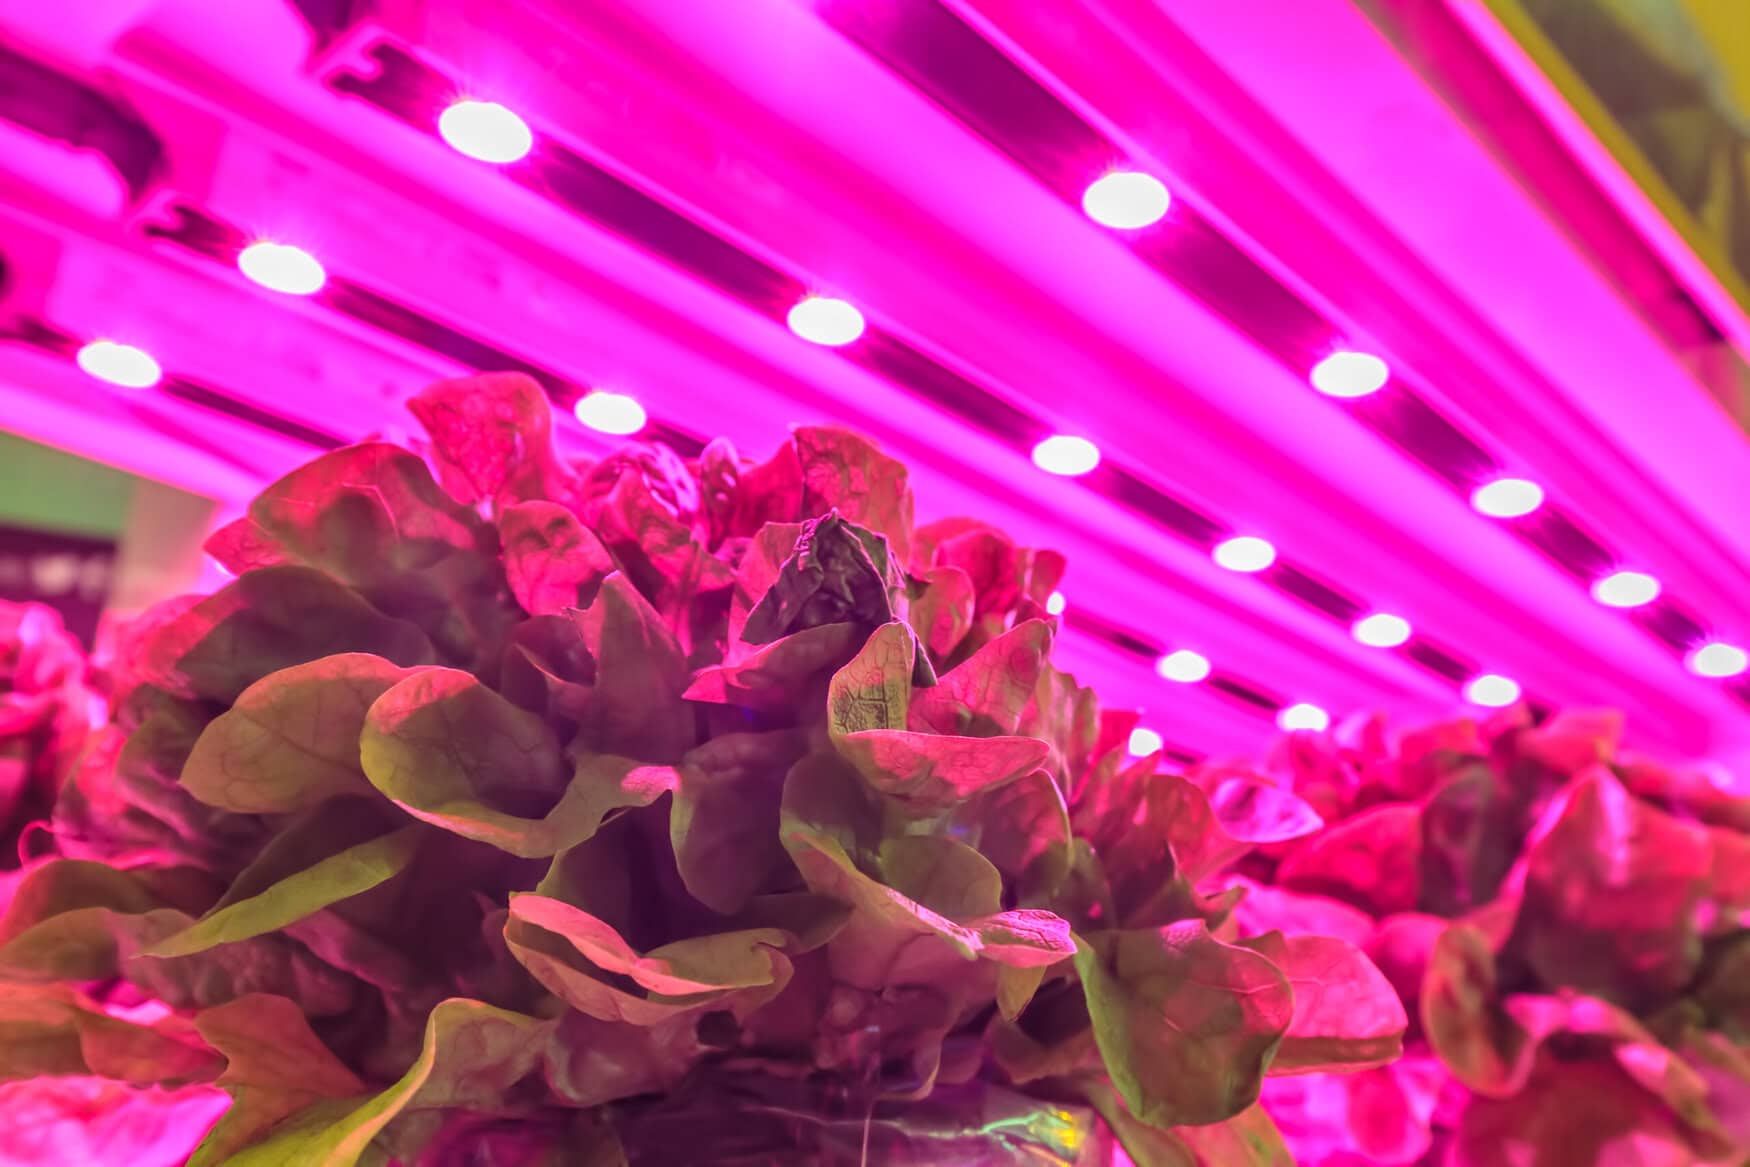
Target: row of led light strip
(1128,200)
(491,133)
(1124,200)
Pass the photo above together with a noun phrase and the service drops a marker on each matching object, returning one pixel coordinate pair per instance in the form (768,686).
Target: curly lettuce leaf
(724,821)
(76,920)
(290,741)
(1611,892)
(585,962)
(1187,1025)
(1248,1139)
(265,621)
(1470,839)
(1347,1016)
(492,438)
(635,708)
(1023,828)
(372,517)
(779,677)
(1372,861)
(1266,908)
(275,1066)
(552,561)
(473,1056)
(928,887)
(1461,1010)
(845,472)
(340,876)
(453,753)
(70,1119)
(126,804)
(867,713)
(1573,1112)
(985,695)
(834,572)
(664,559)
(942,606)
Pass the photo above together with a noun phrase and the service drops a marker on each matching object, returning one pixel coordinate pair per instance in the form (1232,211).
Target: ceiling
(699,166)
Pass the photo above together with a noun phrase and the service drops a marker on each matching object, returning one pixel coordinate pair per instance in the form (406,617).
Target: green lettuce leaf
(868,704)
(1610,896)
(930,887)
(274,1067)
(265,621)
(724,821)
(1469,840)
(1023,829)
(1584,1111)
(1461,1011)
(473,1056)
(835,572)
(1373,860)
(846,472)
(125,804)
(635,709)
(290,740)
(1347,1016)
(1167,1005)
(363,514)
(549,670)
(453,753)
(1248,1139)
(664,559)
(582,960)
(372,517)
(76,920)
(942,605)
(492,438)
(781,676)
(347,873)
(553,562)
(985,695)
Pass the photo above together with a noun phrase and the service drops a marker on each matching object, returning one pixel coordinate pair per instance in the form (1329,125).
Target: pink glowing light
(1303,716)
(1348,374)
(1626,589)
(825,320)
(610,413)
(1055,603)
(119,364)
(1718,659)
(1066,454)
(1244,553)
(1381,630)
(1492,690)
(1126,200)
(1183,666)
(487,131)
(1144,742)
(1507,498)
(280,267)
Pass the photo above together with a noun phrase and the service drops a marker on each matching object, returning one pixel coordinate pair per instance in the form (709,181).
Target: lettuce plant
(508,809)
(1568,925)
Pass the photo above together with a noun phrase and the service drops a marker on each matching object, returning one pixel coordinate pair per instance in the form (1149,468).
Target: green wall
(44,488)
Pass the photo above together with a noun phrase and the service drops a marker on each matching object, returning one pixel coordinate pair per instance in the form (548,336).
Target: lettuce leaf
(290,740)
(868,710)
(1170,1003)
